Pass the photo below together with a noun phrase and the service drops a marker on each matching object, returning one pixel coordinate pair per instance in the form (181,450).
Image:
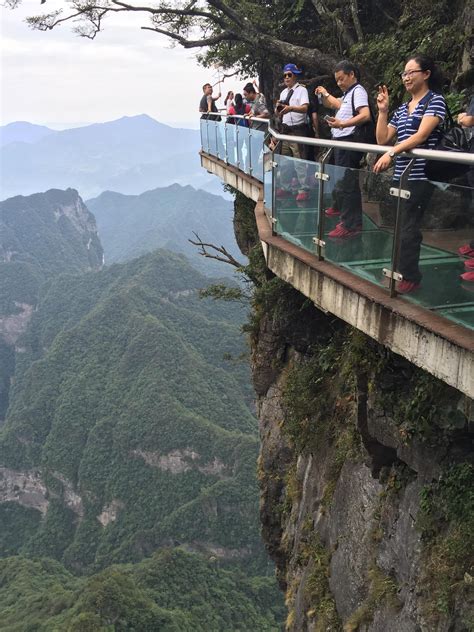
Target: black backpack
(453,138)
(364,133)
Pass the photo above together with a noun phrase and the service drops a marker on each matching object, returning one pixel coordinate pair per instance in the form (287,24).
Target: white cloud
(58,77)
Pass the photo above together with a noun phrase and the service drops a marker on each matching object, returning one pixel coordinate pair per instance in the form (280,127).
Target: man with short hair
(208,102)
(257,105)
(292,108)
(352,111)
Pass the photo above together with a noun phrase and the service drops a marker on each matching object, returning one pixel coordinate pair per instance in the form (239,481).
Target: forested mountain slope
(127,429)
(173,591)
(130,225)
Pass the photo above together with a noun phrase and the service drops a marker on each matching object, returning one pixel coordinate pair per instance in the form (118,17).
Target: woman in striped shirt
(414,124)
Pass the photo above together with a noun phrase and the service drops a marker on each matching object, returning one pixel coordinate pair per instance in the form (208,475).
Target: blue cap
(292,68)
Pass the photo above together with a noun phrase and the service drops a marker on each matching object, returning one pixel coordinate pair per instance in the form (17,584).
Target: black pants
(348,190)
(411,236)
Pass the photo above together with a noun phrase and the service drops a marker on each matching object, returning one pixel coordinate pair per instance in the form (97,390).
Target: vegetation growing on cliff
(40,236)
(173,591)
(124,401)
(446,522)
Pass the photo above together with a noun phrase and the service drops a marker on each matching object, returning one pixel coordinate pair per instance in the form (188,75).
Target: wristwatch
(325,95)
(392,154)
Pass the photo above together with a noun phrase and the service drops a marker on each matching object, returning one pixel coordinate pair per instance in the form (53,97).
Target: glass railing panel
(231,140)
(442,215)
(268,181)
(221,141)
(212,136)
(243,147)
(296,201)
(256,153)
(204,135)
(356,236)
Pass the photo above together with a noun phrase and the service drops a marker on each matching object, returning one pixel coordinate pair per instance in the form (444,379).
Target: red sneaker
(332,212)
(302,196)
(466,251)
(405,287)
(469,263)
(341,232)
(468,276)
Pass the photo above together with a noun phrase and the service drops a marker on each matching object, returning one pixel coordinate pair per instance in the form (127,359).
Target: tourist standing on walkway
(352,111)
(292,108)
(208,102)
(413,124)
(258,107)
(229,101)
(241,109)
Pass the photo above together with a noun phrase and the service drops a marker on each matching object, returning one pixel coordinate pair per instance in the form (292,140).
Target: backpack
(454,138)
(364,133)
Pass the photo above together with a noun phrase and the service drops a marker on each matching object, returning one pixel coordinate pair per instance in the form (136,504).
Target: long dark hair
(239,104)
(435,80)
(228,97)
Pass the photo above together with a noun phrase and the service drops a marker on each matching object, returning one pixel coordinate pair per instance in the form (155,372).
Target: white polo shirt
(344,112)
(299,97)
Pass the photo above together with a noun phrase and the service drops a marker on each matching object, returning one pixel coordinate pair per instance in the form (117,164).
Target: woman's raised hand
(382,99)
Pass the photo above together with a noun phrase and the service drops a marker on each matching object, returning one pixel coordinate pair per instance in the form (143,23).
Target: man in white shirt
(292,108)
(352,111)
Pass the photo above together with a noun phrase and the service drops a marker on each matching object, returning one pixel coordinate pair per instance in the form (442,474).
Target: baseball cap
(292,68)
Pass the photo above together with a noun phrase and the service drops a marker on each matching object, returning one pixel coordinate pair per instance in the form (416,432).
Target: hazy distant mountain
(131,225)
(23,132)
(129,155)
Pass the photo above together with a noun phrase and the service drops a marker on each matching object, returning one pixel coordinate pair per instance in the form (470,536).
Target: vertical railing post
(274,188)
(207,134)
(225,143)
(249,136)
(322,176)
(402,193)
(237,143)
(216,126)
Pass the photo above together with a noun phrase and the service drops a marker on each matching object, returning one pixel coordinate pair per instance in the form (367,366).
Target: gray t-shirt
(258,108)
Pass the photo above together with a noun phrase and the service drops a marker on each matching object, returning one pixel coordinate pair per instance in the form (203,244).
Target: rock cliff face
(41,235)
(366,473)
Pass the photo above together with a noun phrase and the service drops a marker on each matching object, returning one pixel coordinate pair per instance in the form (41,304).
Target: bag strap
(354,113)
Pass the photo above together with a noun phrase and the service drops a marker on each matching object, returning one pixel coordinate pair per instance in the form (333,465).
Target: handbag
(454,138)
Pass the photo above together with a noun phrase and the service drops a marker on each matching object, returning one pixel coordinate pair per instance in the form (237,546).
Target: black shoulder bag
(453,138)
(364,133)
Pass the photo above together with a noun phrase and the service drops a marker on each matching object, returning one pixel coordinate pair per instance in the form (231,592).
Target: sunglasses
(287,74)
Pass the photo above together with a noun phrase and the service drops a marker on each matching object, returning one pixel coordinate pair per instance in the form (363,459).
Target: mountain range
(128,155)
(131,225)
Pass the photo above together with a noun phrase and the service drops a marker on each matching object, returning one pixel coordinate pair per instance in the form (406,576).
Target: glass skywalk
(448,222)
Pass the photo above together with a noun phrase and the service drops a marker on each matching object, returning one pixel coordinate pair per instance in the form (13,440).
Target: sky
(58,79)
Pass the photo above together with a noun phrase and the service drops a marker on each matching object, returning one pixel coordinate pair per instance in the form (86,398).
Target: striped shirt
(407,124)
(345,111)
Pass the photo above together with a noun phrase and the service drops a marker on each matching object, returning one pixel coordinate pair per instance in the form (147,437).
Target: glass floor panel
(366,254)
(462,315)
(441,285)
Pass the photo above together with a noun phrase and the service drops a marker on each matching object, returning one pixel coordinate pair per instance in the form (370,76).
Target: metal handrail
(431,154)
(237,116)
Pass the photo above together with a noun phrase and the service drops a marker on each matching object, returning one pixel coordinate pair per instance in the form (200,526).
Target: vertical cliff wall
(366,471)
